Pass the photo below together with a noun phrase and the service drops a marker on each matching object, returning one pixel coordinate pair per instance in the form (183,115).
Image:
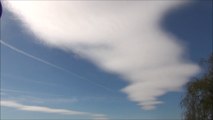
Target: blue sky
(41,73)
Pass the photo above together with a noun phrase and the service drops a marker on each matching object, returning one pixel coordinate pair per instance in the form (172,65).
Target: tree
(197,103)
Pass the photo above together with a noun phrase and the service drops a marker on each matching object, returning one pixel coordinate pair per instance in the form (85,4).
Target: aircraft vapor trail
(52,65)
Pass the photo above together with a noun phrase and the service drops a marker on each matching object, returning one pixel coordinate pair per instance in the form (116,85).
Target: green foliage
(198,100)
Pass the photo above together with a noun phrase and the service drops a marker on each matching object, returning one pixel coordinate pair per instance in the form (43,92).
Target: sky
(101,60)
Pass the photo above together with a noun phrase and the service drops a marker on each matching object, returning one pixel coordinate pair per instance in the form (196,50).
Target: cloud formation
(16,105)
(122,37)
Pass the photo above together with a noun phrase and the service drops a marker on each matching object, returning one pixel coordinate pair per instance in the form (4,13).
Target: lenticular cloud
(122,37)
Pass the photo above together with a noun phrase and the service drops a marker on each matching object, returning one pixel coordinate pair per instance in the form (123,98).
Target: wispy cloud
(3,93)
(16,91)
(100,117)
(52,65)
(40,100)
(122,37)
(21,78)
(19,106)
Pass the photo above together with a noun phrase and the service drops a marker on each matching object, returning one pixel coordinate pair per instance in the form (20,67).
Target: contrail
(52,65)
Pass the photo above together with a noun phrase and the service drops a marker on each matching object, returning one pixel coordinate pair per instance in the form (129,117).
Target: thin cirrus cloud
(19,106)
(40,100)
(51,65)
(122,37)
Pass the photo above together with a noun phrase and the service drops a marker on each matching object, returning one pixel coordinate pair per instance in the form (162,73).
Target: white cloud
(122,37)
(16,105)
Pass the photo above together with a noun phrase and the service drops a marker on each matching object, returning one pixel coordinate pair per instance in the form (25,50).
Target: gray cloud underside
(122,37)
